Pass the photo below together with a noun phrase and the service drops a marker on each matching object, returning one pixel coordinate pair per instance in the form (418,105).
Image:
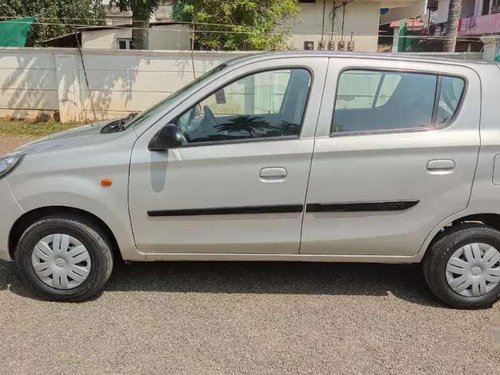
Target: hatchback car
(291,156)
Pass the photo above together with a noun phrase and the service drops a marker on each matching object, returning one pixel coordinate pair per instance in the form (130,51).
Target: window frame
(495,6)
(437,95)
(251,140)
(128,42)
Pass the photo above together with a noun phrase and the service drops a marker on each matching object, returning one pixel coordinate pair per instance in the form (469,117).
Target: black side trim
(230,210)
(361,206)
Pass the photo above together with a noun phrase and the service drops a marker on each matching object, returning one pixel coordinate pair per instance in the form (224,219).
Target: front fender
(81,189)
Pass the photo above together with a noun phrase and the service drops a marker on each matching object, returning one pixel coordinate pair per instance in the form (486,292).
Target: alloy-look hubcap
(474,270)
(61,261)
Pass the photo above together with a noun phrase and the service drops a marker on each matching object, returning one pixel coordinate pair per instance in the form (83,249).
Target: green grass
(33,129)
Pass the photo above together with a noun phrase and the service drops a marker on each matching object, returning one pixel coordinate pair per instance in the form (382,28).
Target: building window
(495,8)
(369,101)
(123,43)
(486,7)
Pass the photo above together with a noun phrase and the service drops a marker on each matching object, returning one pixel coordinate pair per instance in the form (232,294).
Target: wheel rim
(61,261)
(474,270)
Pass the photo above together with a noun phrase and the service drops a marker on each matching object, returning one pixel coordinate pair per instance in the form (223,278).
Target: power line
(201,30)
(206,31)
(187,23)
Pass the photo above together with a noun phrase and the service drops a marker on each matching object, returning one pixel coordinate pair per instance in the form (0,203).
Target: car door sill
(282,257)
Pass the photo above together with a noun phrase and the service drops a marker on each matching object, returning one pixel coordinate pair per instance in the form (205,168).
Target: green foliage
(54,17)
(246,24)
(141,9)
(37,129)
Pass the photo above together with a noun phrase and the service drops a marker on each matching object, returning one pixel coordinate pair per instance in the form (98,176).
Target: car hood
(73,138)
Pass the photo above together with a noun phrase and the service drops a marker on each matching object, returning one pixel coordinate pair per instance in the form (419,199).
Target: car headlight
(7,163)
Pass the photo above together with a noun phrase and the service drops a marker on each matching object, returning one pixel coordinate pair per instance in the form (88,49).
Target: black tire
(439,253)
(88,234)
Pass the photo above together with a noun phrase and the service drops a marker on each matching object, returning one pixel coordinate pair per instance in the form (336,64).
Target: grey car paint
(65,170)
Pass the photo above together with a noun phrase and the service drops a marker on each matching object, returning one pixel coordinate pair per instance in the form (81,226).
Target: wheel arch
(30,217)
(490,219)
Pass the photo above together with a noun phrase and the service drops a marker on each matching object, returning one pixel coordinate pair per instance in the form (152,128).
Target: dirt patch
(9,143)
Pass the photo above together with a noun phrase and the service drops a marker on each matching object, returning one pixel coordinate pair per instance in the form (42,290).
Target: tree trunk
(140,34)
(454,12)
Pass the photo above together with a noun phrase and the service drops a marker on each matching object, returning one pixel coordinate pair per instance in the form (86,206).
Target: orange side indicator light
(106,182)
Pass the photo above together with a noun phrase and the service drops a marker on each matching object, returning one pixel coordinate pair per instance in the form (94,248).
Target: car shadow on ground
(403,281)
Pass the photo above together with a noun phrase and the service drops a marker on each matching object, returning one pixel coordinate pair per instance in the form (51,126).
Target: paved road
(246,318)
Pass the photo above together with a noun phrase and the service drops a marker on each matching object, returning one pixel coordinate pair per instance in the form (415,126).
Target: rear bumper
(10,211)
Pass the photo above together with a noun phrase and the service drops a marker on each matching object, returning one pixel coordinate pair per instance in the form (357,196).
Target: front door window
(262,105)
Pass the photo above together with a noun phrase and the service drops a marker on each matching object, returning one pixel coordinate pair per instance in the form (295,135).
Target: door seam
(325,80)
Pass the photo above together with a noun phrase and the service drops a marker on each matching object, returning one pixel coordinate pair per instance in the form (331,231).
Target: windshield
(159,106)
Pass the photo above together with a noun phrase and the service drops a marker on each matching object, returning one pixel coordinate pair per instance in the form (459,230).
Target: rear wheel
(462,267)
(64,258)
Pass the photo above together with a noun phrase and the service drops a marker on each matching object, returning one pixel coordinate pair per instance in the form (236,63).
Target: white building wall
(170,37)
(104,39)
(361,18)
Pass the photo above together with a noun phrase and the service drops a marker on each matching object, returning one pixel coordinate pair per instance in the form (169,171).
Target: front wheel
(462,267)
(64,258)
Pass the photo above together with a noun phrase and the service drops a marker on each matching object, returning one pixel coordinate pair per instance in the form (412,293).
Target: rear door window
(371,101)
(452,89)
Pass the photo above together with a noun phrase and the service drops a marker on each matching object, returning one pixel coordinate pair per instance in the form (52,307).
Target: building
(321,24)
(479,24)
(484,23)
(349,23)
(412,25)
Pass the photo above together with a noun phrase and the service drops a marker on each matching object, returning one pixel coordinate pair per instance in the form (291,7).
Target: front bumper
(10,211)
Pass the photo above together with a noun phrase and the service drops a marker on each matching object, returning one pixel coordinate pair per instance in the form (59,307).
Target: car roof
(358,55)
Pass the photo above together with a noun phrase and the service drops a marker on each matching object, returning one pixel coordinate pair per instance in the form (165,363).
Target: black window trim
(261,139)
(437,94)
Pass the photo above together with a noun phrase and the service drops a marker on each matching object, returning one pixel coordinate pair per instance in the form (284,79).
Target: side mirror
(168,137)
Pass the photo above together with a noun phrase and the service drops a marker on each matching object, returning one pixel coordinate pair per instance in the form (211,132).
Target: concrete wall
(51,81)
(36,81)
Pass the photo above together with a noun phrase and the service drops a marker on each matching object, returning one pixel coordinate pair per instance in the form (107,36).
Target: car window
(374,101)
(452,89)
(261,105)
(362,89)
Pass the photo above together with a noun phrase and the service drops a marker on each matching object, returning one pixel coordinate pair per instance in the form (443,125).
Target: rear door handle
(273,174)
(440,165)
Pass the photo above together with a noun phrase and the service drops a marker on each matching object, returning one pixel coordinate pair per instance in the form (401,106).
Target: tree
(141,13)
(238,24)
(454,12)
(53,17)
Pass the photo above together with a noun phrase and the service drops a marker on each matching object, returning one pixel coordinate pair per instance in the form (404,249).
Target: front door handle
(440,165)
(273,174)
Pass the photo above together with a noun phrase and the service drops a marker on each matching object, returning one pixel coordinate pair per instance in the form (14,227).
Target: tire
(446,246)
(97,264)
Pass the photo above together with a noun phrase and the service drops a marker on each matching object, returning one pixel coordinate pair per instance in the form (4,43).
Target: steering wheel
(209,116)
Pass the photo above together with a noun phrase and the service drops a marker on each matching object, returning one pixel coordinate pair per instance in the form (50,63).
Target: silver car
(276,157)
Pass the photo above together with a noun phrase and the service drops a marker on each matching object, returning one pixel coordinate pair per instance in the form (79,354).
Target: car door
(238,183)
(395,155)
